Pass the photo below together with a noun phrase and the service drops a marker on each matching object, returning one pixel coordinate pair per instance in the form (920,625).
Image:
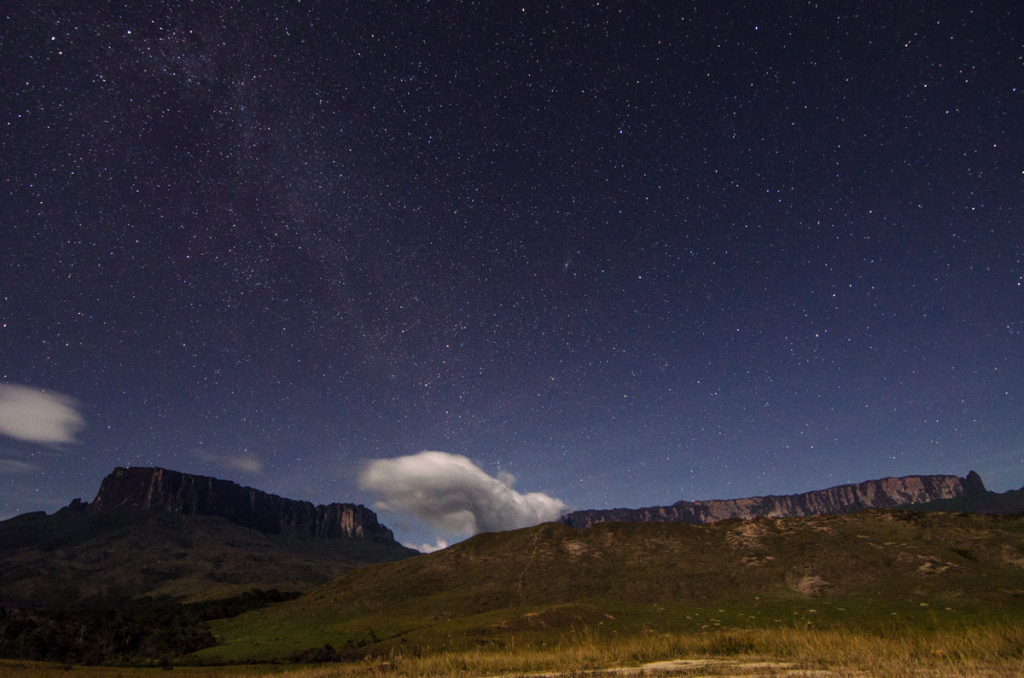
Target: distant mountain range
(919,493)
(154,532)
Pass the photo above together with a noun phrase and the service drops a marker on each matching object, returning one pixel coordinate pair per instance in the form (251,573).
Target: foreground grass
(992,650)
(19,668)
(859,572)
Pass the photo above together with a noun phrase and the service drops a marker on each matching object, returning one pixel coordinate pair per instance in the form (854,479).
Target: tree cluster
(152,632)
(128,636)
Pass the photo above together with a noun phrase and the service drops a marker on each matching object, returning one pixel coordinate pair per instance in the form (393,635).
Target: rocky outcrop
(945,492)
(157,489)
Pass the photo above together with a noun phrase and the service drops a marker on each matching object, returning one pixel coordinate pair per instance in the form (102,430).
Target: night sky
(629,253)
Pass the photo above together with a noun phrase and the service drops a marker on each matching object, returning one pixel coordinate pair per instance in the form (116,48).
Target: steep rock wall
(905,492)
(163,490)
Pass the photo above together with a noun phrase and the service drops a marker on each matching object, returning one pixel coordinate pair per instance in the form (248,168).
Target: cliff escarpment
(154,533)
(157,489)
(946,492)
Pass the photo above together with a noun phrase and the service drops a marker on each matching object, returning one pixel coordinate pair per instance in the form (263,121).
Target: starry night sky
(630,253)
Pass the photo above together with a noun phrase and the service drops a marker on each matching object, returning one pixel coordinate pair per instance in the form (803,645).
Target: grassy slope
(869,570)
(79,559)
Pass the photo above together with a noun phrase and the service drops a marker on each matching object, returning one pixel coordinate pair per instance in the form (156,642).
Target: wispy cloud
(244,462)
(38,416)
(240,461)
(451,492)
(11,467)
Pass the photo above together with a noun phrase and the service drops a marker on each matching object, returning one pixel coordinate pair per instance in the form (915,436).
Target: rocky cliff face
(924,492)
(157,489)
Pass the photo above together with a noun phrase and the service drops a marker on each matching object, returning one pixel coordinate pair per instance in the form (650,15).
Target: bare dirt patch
(749,535)
(576,548)
(1013,556)
(698,668)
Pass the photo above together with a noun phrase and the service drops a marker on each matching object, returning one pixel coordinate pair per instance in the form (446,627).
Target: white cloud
(10,467)
(38,416)
(428,548)
(451,492)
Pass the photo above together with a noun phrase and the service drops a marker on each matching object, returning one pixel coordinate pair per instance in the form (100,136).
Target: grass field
(988,650)
(870,572)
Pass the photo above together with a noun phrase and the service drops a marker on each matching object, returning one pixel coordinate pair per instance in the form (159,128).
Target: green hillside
(872,570)
(79,559)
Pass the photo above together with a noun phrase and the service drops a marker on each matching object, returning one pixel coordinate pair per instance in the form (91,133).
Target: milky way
(630,253)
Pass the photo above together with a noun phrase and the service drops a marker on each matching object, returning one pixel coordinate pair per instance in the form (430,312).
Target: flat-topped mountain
(154,532)
(149,489)
(921,493)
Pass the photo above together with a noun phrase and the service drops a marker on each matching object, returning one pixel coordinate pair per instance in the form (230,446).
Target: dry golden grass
(991,651)
(16,668)
(995,650)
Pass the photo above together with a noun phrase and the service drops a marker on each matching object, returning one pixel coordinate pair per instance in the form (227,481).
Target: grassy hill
(874,570)
(79,559)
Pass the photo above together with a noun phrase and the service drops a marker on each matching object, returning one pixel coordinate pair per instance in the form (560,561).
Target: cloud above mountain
(238,461)
(38,416)
(451,492)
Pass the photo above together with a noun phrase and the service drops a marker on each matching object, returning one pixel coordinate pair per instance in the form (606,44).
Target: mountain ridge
(916,492)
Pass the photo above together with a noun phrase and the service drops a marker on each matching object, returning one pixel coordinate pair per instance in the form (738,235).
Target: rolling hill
(536,585)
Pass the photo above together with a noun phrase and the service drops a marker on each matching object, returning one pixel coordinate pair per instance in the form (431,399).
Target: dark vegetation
(225,608)
(105,560)
(128,586)
(351,650)
(141,633)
